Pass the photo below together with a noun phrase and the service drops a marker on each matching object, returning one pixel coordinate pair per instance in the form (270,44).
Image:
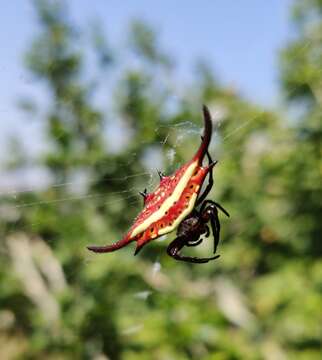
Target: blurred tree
(261,300)
(73,125)
(302,84)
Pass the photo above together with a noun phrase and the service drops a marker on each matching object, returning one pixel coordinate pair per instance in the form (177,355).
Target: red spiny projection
(154,200)
(171,202)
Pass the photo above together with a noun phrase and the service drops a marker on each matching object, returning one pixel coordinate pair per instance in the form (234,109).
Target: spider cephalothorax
(173,204)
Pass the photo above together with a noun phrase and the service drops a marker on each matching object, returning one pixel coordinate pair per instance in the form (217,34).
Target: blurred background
(95,98)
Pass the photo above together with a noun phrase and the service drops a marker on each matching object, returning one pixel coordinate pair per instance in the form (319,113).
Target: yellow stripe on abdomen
(177,221)
(157,215)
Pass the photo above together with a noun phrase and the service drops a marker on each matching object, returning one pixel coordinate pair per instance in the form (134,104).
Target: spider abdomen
(173,200)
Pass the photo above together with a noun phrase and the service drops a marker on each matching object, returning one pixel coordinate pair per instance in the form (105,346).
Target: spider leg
(210,161)
(215,225)
(211,202)
(194,243)
(177,244)
(207,231)
(210,181)
(199,241)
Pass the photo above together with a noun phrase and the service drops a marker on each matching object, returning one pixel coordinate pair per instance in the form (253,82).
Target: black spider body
(195,225)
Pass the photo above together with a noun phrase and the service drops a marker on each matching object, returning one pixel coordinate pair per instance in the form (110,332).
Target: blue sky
(240,39)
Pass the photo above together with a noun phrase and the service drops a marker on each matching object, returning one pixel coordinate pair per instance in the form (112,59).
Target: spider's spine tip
(161,174)
(205,110)
(91,248)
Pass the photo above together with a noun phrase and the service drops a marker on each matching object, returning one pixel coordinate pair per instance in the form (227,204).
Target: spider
(174,205)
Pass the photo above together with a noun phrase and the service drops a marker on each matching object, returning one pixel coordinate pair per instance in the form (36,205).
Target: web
(46,275)
(260,180)
(185,130)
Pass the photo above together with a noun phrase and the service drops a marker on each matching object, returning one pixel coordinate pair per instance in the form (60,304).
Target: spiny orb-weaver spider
(174,205)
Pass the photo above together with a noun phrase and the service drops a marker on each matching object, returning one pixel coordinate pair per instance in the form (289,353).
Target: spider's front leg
(211,165)
(209,212)
(177,244)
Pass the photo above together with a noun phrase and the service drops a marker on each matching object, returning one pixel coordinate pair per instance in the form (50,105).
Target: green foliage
(261,299)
